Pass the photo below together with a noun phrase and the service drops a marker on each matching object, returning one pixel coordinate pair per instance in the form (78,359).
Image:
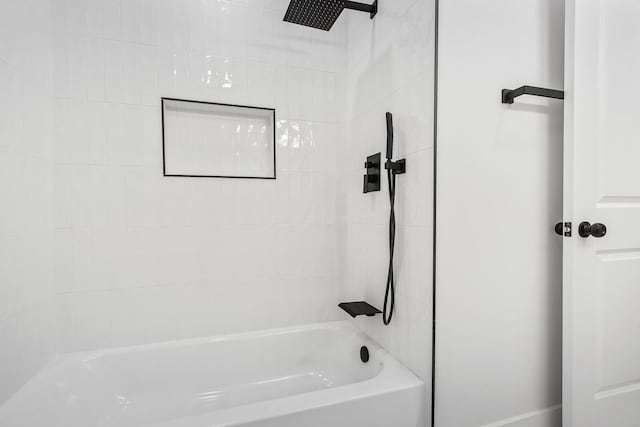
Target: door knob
(587,229)
(559,228)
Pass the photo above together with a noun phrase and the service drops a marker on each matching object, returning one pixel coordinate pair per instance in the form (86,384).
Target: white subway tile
(63,266)
(94,18)
(78,130)
(59,71)
(181,74)
(76,68)
(95,66)
(148,69)
(131,74)
(80,197)
(130,22)
(148,22)
(113,19)
(180,24)
(114,72)
(62,197)
(165,24)
(75,17)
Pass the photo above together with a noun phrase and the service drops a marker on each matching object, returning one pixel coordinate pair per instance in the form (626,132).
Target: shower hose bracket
(397,168)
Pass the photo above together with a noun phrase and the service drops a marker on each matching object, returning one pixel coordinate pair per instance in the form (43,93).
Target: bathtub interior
(155,383)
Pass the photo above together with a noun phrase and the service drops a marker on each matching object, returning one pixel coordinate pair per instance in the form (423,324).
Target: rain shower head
(322,14)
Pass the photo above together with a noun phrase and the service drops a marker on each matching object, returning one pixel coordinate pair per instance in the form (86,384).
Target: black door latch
(563,229)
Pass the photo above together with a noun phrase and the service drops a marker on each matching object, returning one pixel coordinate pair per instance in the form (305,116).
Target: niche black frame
(164,156)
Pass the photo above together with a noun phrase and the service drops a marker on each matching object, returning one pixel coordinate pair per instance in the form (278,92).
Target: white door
(602,185)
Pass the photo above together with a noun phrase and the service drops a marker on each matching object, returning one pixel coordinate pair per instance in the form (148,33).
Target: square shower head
(320,14)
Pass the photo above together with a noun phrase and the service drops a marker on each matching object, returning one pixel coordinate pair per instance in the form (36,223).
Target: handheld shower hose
(393,169)
(390,293)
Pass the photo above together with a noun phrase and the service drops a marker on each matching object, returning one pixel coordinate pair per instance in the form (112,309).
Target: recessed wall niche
(212,140)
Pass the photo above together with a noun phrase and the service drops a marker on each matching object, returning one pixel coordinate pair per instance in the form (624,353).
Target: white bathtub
(304,376)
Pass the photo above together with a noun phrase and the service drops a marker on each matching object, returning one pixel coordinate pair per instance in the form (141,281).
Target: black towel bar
(508,95)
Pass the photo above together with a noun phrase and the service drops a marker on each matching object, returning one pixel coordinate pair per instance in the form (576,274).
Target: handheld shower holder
(397,168)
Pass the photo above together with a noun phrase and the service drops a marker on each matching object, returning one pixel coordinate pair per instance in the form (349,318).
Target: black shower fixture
(393,168)
(372,177)
(372,183)
(322,14)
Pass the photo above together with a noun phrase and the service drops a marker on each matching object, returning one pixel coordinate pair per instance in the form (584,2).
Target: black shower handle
(389,136)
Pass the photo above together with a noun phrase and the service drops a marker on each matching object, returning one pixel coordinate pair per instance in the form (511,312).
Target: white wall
(25,191)
(140,257)
(499,295)
(390,68)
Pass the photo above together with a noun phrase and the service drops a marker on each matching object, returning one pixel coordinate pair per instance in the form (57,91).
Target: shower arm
(362,7)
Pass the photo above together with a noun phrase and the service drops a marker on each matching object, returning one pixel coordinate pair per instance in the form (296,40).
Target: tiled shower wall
(390,68)
(25,193)
(140,257)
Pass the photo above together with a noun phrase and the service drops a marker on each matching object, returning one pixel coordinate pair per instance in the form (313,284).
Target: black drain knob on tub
(364,354)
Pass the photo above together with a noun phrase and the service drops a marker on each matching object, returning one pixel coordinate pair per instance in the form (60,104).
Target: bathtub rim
(392,377)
